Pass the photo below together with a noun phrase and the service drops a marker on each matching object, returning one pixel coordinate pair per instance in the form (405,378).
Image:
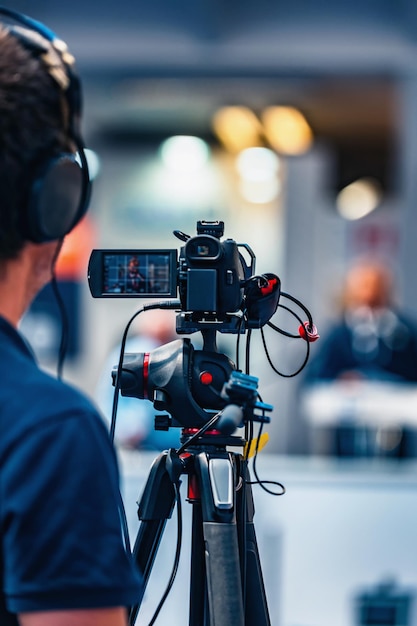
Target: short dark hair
(31,126)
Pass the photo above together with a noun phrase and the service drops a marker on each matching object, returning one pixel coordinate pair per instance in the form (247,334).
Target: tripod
(226,583)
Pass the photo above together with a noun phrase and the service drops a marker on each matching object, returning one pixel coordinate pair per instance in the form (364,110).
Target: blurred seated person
(135,417)
(369,354)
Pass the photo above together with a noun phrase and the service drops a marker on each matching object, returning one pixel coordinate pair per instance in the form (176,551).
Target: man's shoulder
(34,399)
(36,387)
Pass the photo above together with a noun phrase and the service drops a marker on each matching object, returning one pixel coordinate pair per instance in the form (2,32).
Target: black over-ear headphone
(60,187)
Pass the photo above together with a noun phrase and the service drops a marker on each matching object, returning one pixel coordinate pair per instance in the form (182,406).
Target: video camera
(216,285)
(218,292)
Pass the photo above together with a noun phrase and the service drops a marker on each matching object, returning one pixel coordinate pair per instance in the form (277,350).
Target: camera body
(209,276)
(211,279)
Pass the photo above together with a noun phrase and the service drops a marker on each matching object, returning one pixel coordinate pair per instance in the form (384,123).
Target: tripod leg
(215,473)
(155,508)
(256,607)
(198,591)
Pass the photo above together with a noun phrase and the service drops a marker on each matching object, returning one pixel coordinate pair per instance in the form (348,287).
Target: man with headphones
(63,560)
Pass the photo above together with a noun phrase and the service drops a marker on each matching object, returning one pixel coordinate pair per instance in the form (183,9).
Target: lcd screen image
(136,274)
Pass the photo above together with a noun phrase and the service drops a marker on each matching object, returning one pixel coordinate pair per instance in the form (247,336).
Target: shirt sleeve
(62,541)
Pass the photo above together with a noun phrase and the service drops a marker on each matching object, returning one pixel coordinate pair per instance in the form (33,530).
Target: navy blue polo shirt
(61,541)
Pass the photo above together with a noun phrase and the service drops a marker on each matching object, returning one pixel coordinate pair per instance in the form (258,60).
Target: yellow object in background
(256,445)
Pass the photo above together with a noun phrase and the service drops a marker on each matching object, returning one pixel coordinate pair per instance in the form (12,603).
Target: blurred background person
(135,417)
(372,339)
(366,368)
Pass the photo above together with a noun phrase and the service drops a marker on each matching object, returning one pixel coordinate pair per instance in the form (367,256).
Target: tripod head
(191,385)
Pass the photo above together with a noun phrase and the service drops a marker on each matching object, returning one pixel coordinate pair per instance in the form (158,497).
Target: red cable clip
(271,284)
(309,333)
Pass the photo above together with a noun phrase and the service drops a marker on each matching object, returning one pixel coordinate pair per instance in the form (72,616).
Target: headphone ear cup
(57,199)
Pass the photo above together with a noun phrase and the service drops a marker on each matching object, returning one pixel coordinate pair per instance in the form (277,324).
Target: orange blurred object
(73,259)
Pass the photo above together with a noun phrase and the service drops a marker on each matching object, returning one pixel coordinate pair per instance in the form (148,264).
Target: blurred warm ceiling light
(287,130)
(359,198)
(237,128)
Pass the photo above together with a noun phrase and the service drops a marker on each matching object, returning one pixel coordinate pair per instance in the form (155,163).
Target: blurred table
(372,417)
